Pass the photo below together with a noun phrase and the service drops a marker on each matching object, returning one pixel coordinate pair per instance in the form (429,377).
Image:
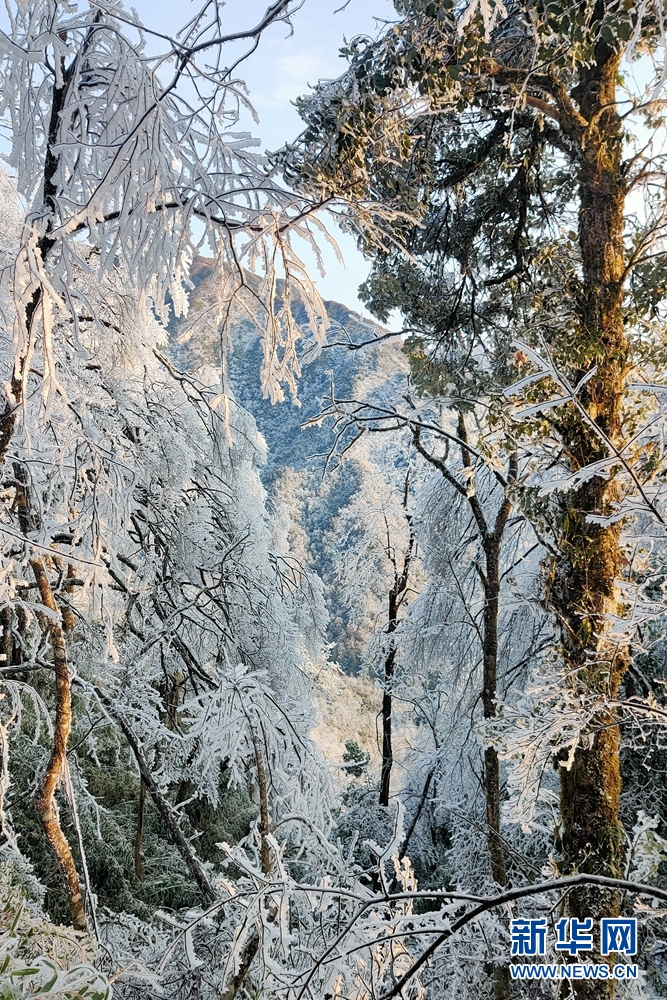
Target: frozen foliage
(171,728)
(37,958)
(190,628)
(137,154)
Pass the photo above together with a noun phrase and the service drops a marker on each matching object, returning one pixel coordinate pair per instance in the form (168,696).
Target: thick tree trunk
(247,959)
(583,590)
(47,808)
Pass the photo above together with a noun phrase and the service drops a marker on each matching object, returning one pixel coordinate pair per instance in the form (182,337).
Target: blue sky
(283,68)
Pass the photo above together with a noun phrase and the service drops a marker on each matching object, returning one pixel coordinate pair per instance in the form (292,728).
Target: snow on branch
(142,158)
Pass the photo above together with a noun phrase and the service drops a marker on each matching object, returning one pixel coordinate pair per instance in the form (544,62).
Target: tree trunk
(490,577)
(387,703)
(138,864)
(28,517)
(253,943)
(417,814)
(7,641)
(47,807)
(397,597)
(66,610)
(264,822)
(163,807)
(490,680)
(583,589)
(491,543)
(45,802)
(501,974)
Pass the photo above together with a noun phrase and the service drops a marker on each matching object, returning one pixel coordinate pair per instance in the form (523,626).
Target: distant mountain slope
(297,456)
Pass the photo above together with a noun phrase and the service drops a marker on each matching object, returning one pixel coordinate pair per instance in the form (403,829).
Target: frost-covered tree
(472,632)
(375,566)
(137,155)
(139,565)
(159,585)
(502,166)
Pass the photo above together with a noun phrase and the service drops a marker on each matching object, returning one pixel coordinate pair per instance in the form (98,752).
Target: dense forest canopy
(333,658)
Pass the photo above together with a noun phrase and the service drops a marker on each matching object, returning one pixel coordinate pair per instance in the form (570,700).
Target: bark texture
(583,585)
(45,801)
(264,822)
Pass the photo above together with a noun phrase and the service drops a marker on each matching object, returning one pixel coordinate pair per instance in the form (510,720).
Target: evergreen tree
(499,164)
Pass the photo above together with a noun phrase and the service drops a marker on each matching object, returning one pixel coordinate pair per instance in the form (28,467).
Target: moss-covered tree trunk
(584,589)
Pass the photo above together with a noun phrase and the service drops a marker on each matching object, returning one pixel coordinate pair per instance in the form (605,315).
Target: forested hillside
(303,472)
(332,658)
